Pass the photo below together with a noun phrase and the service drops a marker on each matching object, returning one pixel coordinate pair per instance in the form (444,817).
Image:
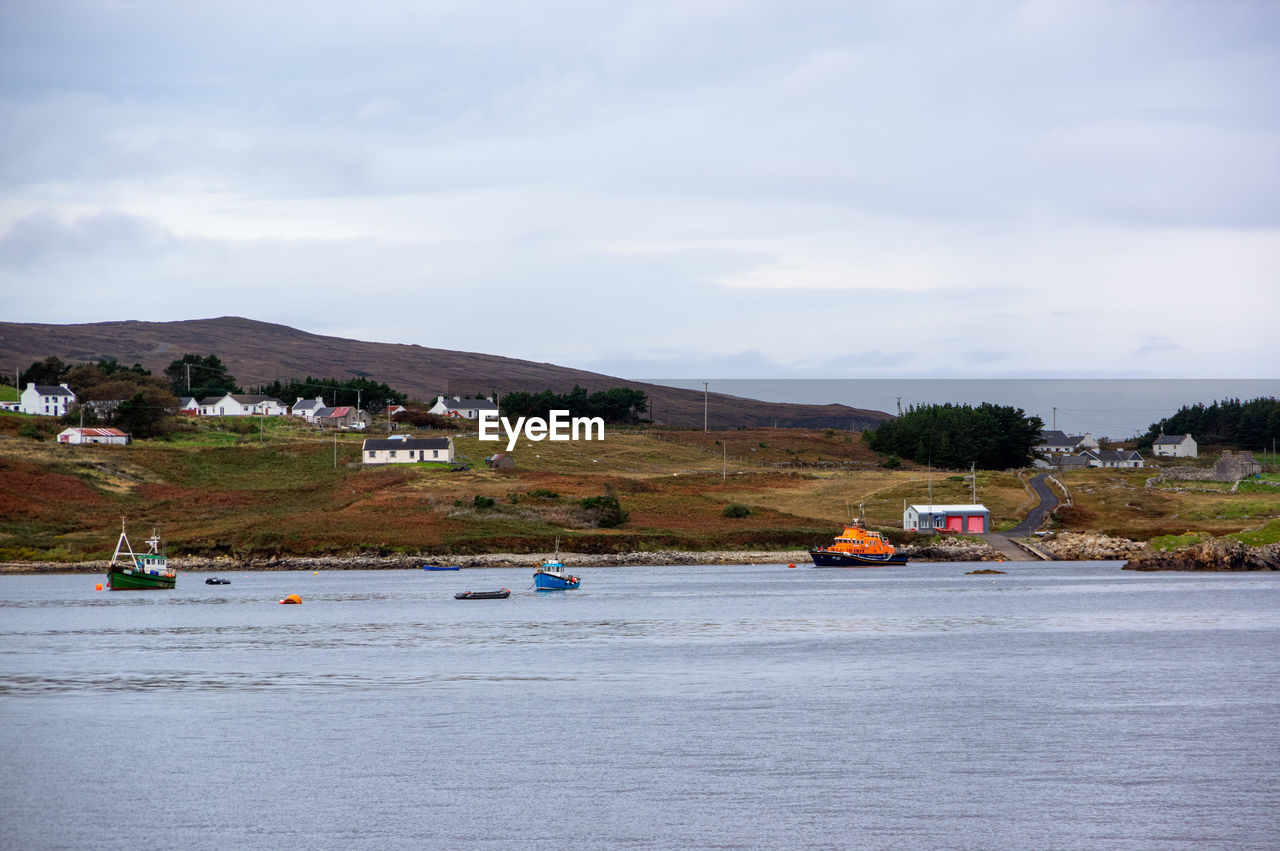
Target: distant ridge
(260,352)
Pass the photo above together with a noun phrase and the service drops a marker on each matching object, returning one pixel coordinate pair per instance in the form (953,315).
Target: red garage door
(955,524)
(976,524)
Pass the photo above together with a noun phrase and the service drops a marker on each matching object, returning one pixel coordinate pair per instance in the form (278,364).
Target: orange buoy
(99,586)
(793,564)
(292,598)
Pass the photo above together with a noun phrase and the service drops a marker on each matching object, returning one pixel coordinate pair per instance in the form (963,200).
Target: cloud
(834,188)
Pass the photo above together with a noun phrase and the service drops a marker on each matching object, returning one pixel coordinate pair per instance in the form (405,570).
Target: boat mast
(123,545)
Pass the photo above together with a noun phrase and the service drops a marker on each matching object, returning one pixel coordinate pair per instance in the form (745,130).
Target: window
(391,453)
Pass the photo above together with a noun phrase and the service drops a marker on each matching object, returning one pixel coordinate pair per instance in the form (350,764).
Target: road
(1037,515)
(1001,540)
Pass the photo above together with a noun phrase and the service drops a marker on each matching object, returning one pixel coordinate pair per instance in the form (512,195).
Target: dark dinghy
(500,594)
(214,580)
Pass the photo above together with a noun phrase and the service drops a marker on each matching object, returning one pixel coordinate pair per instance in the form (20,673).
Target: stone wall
(1231,467)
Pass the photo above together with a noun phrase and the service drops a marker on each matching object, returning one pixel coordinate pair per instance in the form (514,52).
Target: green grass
(8,393)
(1267,534)
(1174,542)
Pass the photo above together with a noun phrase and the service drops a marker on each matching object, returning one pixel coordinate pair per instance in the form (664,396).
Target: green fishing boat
(149,570)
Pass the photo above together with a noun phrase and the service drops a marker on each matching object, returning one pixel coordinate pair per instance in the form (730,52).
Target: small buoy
(793,564)
(315,573)
(292,598)
(99,586)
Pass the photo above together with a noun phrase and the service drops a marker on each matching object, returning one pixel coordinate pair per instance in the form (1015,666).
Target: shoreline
(202,564)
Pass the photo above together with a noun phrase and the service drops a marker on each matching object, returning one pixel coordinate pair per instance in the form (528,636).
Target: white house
(189,405)
(306,408)
(1055,442)
(459,407)
(402,449)
(46,400)
(946,518)
(1117,458)
(1175,446)
(240,405)
(93,435)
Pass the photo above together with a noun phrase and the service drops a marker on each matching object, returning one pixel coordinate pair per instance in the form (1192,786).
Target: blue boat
(551,575)
(442,567)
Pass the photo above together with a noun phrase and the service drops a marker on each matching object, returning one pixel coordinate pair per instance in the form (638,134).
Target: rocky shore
(1090,546)
(1209,555)
(952,551)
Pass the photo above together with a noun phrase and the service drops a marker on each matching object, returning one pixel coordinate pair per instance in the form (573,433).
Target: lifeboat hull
(833,558)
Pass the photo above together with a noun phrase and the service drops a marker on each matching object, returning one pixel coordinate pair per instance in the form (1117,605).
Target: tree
(201,377)
(50,371)
(146,413)
(993,437)
(369,395)
(615,405)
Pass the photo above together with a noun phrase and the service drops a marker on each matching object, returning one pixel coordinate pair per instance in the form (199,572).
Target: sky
(690,189)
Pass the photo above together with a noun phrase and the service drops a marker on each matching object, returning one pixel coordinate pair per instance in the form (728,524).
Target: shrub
(483,502)
(31,430)
(735,509)
(893,462)
(605,510)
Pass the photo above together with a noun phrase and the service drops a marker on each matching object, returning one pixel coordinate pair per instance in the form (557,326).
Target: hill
(260,352)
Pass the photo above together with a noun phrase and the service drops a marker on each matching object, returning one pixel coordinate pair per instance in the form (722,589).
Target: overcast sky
(662,189)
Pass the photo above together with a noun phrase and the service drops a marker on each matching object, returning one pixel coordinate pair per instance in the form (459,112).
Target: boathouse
(946,518)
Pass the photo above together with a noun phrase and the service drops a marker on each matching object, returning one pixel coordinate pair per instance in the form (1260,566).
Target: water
(1067,706)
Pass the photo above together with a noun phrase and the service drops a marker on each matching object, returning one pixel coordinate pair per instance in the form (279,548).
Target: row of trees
(994,437)
(200,376)
(365,393)
(615,405)
(1248,425)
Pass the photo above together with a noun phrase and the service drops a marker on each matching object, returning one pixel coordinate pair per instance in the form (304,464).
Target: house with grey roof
(1113,458)
(1054,442)
(242,405)
(1175,446)
(46,400)
(402,449)
(467,408)
(306,408)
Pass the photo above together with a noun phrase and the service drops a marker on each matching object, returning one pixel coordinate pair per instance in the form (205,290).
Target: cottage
(403,449)
(946,518)
(343,416)
(46,400)
(462,407)
(500,460)
(1234,466)
(93,435)
(306,408)
(189,405)
(1175,446)
(241,405)
(1055,442)
(1116,458)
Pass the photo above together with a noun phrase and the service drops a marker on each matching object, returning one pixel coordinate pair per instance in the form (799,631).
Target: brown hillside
(260,352)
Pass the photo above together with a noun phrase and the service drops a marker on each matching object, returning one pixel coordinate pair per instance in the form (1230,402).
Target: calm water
(1067,706)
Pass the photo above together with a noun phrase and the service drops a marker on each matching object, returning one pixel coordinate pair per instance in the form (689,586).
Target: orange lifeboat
(857,546)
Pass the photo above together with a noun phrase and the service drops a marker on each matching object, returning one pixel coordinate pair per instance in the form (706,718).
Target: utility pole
(705,384)
(188,365)
(335,448)
(899,406)
(724,460)
(1055,418)
(973,481)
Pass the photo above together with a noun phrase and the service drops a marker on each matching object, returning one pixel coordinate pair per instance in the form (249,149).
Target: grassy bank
(253,488)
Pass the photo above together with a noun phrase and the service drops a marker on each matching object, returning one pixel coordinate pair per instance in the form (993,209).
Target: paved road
(1037,515)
